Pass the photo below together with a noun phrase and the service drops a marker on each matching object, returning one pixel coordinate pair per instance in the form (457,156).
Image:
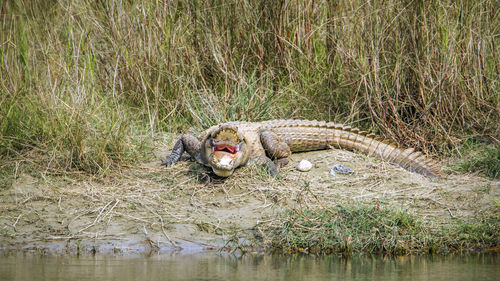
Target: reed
(84,84)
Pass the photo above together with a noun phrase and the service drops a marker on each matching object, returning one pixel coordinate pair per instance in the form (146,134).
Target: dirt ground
(186,208)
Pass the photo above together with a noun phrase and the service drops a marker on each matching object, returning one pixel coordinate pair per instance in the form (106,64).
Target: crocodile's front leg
(275,147)
(188,143)
(265,162)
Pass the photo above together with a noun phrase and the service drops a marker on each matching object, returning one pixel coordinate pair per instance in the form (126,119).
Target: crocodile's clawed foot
(281,162)
(167,162)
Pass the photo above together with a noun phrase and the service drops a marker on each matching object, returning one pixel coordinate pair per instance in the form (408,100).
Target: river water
(249,267)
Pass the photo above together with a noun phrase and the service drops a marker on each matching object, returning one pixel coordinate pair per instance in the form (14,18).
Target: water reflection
(260,267)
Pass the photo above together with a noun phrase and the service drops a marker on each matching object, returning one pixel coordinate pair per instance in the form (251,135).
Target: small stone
(341,169)
(304,166)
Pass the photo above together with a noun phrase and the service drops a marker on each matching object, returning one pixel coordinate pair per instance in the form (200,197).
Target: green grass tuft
(482,158)
(483,233)
(371,229)
(358,228)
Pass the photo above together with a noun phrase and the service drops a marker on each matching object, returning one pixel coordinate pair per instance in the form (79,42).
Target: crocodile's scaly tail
(407,158)
(305,135)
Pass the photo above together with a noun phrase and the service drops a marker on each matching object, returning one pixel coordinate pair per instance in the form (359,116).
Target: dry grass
(85,85)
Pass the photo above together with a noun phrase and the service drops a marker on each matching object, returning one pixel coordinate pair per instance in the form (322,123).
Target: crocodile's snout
(225,146)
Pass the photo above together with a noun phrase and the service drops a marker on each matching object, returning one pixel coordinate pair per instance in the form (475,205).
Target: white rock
(304,166)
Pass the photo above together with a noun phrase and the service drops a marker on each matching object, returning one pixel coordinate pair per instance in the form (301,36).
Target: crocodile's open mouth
(226,148)
(224,154)
(223,159)
(225,143)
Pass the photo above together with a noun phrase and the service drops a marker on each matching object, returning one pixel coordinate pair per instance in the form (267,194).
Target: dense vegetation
(85,85)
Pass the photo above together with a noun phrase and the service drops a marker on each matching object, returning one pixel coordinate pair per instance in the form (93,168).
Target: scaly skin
(228,146)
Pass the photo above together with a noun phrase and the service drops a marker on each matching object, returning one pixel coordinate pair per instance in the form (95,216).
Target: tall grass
(84,83)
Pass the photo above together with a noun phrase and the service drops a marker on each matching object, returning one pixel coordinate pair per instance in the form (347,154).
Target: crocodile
(230,145)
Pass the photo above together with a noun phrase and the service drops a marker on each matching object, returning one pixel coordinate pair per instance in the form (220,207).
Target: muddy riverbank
(149,208)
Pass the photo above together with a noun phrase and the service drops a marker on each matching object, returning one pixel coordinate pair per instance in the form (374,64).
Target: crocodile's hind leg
(275,147)
(188,143)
